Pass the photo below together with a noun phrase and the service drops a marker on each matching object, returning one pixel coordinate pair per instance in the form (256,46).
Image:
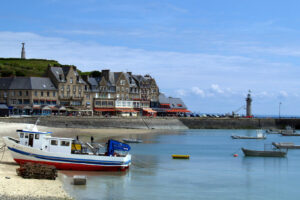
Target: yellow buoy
(181,156)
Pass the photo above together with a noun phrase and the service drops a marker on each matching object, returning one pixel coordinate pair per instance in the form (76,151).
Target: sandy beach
(15,187)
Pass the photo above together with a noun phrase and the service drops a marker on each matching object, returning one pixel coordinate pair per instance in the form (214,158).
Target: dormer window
(60,77)
(71,80)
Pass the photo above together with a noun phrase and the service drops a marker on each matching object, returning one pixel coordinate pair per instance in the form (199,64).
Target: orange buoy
(235,155)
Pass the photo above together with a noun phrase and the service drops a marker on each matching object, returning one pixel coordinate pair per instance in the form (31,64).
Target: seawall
(158,122)
(100,122)
(240,123)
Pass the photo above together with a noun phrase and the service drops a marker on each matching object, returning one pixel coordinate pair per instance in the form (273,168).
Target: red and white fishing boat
(67,153)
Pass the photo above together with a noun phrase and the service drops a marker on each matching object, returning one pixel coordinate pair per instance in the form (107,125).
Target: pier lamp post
(279,109)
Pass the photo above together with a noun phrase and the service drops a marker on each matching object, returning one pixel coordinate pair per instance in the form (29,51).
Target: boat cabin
(43,141)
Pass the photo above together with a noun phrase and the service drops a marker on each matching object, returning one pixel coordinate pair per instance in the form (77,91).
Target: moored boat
(67,153)
(285,145)
(248,152)
(259,135)
(129,140)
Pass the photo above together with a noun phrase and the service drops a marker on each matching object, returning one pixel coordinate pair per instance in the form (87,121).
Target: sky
(209,53)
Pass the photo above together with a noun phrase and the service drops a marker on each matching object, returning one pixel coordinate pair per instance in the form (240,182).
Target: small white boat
(259,135)
(129,140)
(67,153)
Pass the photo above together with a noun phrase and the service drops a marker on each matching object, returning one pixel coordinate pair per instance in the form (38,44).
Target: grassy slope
(28,67)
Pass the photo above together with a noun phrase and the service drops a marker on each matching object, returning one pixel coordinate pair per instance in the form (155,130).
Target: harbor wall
(158,122)
(100,122)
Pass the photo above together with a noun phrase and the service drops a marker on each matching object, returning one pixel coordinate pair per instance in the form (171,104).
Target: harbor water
(212,172)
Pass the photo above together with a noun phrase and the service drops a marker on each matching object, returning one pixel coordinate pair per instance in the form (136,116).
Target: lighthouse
(23,51)
(248,102)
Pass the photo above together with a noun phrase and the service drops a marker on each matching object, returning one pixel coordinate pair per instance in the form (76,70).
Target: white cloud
(198,91)
(215,88)
(283,93)
(181,92)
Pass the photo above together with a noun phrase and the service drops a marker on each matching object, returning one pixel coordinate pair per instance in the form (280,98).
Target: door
(30,143)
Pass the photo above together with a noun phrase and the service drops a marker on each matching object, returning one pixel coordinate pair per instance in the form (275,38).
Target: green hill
(25,67)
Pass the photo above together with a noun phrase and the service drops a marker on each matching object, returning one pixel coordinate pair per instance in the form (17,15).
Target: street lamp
(279,108)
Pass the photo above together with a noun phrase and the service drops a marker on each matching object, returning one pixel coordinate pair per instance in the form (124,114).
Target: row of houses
(65,92)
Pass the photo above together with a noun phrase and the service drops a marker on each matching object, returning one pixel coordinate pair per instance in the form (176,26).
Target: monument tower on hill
(23,51)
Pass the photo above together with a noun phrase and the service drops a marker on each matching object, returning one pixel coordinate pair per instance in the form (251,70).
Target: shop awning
(126,110)
(27,108)
(53,108)
(62,108)
(178,110)
(149,110)
(104,109)
(46,108)
(36,107)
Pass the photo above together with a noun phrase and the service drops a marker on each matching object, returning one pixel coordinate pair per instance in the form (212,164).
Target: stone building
(28,95)
(73,91)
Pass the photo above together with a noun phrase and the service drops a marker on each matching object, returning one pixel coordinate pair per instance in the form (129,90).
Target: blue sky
(209,53)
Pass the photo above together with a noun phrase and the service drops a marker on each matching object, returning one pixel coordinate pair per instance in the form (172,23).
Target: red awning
(105,109)
(178,110)
(149,110)
(165,104)
(126,110)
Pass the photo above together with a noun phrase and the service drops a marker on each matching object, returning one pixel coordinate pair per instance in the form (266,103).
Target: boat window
(53,142)
(64,143)
(26,135)
(37,136)
(21,135)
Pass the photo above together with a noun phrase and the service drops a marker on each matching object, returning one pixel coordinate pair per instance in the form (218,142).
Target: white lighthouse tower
(23,51)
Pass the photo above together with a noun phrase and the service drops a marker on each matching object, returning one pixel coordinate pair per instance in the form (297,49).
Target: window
(27,93)
(42,94)
(54,93)
(88,96)
(122,82)
(37,136)
(62,88)
(35,93)
(26,101)
(74,88)
(20,101)
(13,93)
(54,142)
(35,101)
(26,135)
(21,135)
(64,143)
(54,102)
(48,94)
(20,93)
(42,102)
(5,94)
(68,88)
(71,80)
(48,102)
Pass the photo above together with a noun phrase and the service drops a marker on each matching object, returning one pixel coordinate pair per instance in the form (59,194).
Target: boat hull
(285,146)
(23,154)
(247,137)
(248,152)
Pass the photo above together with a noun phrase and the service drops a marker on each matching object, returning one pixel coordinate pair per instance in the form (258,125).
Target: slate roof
(174,102)
(5,83)
(93,84)
(38,83)
(26,83)
(56,71)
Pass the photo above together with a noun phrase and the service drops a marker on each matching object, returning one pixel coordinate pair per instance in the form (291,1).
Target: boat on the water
(285,145)
(289,131)
(130,140)
(271,153)
(273,131)
(259,135)
(68,153)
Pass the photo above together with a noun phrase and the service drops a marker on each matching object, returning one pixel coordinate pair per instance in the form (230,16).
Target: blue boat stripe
(71,160)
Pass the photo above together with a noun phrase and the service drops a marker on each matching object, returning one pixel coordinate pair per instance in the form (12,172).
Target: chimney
(105,74)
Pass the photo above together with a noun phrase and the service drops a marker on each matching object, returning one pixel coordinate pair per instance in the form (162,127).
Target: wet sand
(15,187)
